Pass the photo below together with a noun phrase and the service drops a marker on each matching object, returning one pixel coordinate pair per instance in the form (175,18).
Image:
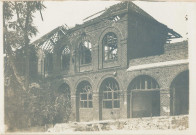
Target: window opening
(116,18)
(85,52)
(179,99)
(65,58)
(144,83)
(86,98)
(111,94)
(144,97)
(110,46)
(48,63)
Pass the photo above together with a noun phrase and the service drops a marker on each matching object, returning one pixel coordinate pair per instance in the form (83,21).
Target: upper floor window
(48,63)
(65,58)
(85,52)
(110,46)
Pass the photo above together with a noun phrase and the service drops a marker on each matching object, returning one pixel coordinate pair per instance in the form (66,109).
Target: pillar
(73,108)
(96,106)
(165,102)
(123,104)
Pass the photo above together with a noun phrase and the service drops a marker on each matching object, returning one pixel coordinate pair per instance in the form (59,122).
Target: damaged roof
(126,6)
(117,9)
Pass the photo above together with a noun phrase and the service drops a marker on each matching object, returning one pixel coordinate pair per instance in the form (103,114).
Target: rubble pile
(156,123)
(152,123)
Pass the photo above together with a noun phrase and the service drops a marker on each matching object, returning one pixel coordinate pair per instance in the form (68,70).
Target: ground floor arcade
(144,97)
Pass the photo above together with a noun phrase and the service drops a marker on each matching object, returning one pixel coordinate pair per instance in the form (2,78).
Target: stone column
(165,102)
(73,108)
(95,58)
(123,104)
(72,62)
(96,106)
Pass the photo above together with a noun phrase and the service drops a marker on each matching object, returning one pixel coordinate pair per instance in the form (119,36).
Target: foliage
(36,107)
(37,104)
(18,28)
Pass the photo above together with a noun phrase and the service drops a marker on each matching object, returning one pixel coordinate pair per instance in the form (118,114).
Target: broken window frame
(48,63)
(85,49)
(111,95)
(144,83)
(65,57)
(110,47)
(86,96)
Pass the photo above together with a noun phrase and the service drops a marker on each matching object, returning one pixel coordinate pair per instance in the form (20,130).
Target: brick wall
(163,76)
(86,114)
(99,70)
(175,51)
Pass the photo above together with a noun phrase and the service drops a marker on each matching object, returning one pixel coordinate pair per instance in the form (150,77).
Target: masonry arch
(109,99)
(143,97)
(63,103)
(83,49)
(84,101)
(179,89)
(109,46)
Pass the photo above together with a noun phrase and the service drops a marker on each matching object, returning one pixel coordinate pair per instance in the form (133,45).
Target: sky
(58,13)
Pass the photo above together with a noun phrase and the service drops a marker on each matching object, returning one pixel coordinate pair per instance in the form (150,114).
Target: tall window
(65,58)
(86,98)
(110,46)
(48,63)
(111,94)
(85,52)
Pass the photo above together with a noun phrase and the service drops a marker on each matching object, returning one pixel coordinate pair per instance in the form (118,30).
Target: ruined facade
(118,65)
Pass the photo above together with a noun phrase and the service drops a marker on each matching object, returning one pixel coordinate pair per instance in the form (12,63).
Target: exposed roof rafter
(49,40)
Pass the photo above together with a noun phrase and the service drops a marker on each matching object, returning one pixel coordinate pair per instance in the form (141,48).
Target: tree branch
(18,17)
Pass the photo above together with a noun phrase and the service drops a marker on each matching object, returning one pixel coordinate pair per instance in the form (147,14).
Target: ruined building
(119,64)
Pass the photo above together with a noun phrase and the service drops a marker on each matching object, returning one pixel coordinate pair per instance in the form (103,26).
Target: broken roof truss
(49,41)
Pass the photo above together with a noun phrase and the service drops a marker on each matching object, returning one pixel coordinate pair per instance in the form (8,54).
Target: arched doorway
(84,102)
(179,103)
(63,103)
(109,99)
(143,99)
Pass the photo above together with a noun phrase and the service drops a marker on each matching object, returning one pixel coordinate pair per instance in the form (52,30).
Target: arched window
(63,93)
(179,103)
(110,46)
(85,94)
(143,83)
(143,99)
(85,52)
(111,93)
(62,103)
(65,58)
(48,63)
